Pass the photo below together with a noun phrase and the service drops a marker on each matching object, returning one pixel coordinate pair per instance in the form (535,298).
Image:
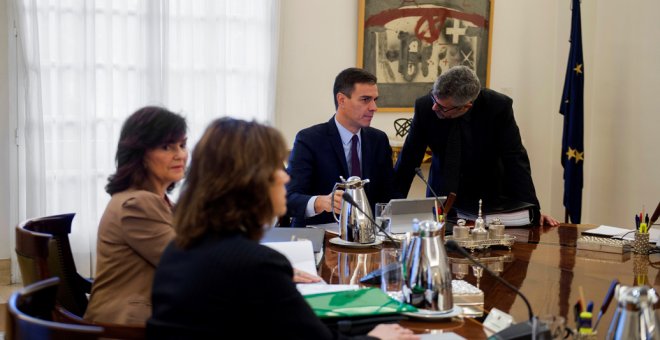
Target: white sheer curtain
(85,65)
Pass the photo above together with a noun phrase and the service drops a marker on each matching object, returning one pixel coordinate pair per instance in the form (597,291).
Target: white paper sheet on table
(309,289)
(299,253)
(622,233)
(301,256)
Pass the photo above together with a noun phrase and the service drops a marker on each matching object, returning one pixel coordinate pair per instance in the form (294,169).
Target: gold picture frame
(408,43)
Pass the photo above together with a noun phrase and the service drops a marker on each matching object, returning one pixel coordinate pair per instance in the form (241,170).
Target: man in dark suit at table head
(345,146)
(476,144)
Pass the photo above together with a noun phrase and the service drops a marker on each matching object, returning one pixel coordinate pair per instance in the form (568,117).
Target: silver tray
(425,314)
(506,241)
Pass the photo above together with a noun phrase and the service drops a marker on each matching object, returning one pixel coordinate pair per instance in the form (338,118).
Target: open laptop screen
(404,210)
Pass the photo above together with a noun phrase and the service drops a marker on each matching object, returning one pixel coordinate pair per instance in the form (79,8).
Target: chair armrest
(110,331)
(84,283)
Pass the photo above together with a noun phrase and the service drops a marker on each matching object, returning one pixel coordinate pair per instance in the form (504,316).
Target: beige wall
(529,54)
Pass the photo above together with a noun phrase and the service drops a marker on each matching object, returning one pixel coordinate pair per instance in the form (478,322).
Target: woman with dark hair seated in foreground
(216,279)
(137,223)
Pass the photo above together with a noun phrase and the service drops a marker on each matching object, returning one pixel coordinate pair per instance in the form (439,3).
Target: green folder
(361,302)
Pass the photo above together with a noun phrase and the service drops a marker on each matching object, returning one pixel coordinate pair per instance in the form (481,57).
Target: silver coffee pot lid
(636,296)
(430,228)
(353,182)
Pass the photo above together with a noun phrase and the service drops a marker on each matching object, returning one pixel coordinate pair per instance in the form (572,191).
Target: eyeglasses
(442,108)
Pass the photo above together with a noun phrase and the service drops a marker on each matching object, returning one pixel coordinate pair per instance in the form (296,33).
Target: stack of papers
(622,233)
(509,219)
(511,213)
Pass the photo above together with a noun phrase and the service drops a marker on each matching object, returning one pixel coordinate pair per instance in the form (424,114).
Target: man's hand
(323,203)
(548,220)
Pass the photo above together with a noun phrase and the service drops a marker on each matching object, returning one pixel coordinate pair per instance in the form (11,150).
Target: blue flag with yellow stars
(572,107)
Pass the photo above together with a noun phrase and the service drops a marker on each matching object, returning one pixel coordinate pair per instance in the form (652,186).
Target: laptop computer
(293,234)
(404,210)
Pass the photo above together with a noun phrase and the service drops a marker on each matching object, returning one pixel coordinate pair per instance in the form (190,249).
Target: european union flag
(572,107)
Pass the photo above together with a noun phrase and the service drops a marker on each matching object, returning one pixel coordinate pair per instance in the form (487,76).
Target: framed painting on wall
(407,44)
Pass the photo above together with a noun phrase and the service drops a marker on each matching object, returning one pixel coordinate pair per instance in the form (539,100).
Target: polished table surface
(543,263)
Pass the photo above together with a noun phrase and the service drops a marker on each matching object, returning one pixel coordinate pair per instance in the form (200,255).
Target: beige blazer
(133,233)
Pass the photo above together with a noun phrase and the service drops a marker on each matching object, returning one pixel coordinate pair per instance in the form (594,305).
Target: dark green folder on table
(356,303)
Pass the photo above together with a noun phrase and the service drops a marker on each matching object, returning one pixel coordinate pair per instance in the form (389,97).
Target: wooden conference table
(543,263)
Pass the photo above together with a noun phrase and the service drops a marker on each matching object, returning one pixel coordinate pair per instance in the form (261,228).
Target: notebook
(403,211)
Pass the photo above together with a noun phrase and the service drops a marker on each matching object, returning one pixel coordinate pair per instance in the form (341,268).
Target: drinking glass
(382,216)
(391,280)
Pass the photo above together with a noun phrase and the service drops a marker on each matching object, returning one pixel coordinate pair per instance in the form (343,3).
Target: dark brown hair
(228,182)
(146,129)
(346,80)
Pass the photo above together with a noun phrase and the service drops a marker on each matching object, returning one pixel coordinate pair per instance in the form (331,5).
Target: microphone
(523,330)
(418,172)
(348,198)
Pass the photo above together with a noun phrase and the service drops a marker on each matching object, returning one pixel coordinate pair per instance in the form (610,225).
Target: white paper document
(299,253)
(309,289)
(622,233)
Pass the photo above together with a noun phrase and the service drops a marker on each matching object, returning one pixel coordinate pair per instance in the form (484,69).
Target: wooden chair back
(73,288)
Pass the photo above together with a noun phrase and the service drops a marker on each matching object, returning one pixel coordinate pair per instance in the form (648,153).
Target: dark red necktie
(355,161)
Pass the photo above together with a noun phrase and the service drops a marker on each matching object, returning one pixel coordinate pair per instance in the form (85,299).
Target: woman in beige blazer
(137,223)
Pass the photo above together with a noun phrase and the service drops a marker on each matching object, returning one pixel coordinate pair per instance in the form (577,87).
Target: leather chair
(73,289)
(29,315)
(43,251)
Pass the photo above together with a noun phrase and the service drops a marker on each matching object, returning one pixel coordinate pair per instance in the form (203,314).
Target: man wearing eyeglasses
(476,144)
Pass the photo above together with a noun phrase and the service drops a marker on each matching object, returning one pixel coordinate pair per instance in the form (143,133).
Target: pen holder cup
(641,244)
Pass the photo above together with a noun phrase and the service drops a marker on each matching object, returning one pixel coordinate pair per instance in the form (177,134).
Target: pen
(606,301)
(449,203)
(636,222)
(590,306)
(576,311)
(655,216)
(643,228)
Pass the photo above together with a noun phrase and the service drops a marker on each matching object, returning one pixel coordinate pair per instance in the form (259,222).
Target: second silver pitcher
(427,275)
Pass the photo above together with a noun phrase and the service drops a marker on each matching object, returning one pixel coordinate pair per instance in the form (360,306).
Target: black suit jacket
(220,285)
(317,160)
(494,162)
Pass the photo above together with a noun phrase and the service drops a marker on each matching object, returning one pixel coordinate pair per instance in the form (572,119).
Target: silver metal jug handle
(332,202)
(648,313)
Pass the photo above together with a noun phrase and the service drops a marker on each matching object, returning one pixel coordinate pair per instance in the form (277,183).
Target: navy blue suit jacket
(317,160)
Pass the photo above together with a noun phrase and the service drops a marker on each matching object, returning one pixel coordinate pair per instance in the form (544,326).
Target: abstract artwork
(407,44)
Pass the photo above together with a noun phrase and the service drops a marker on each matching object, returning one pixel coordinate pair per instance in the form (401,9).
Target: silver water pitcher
(426,269)
(354,225)
(635,316)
